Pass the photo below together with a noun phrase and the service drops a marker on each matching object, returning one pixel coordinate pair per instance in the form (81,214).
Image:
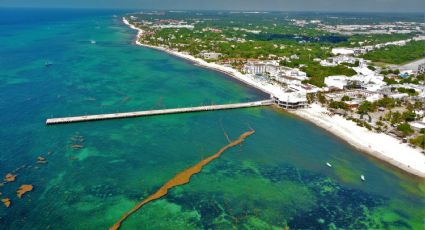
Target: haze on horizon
(251,5)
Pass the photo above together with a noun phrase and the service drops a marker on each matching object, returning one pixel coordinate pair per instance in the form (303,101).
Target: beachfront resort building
(274,69)
(261,67)
(291,100)
(292,95)
(281,74)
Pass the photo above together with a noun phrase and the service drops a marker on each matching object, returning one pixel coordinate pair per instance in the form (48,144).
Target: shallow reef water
(96,171)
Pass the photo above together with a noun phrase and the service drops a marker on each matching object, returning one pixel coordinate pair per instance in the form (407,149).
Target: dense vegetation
(411,92)
(373,39)
(398,54)
(397,117)
(338,105)
(241,36)
(386,102)
(235,44)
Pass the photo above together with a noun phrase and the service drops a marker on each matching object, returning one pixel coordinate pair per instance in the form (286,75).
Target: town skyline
(409,6)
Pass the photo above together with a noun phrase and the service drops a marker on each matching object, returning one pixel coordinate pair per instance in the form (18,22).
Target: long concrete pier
(64,120)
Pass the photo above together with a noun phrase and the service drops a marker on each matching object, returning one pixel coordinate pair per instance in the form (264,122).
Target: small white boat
(48,63)
(362,177)
(329,164)
(93,42)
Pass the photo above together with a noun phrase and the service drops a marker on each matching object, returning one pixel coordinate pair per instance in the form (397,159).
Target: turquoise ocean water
(276,178)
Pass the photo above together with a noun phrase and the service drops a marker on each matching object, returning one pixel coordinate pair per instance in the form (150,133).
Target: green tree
(409,116)
(366,107)
(396,118)
(419,141)
(390,81)
(411,92)
(371,67)
(321,98)
(386,102)
(405,128)
(345,98)
(338,105)
(418,105)
(310,97)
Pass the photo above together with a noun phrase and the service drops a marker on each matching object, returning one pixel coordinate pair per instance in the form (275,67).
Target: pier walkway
(64,120)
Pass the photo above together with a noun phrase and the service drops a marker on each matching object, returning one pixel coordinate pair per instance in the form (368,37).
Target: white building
(398,95)
(334,61)
(261,67)
(291,100)
(363,70)
(370,80)
(343,51)
(336,81)
(174,26)
(210,55)
(293,76)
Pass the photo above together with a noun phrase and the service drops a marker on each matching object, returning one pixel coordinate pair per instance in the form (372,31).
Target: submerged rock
(41,160)
(10,177)
(6,202)
(24,189)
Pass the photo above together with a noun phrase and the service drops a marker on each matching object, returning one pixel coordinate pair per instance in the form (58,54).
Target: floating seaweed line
(180,179)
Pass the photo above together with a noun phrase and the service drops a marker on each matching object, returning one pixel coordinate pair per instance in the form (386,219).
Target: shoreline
(394,153)
(378,145)
(213,66)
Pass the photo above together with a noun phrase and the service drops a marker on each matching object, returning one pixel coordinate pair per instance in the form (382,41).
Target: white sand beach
(379,145)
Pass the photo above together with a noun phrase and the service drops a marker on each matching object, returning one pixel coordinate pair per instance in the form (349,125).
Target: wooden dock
(64,120)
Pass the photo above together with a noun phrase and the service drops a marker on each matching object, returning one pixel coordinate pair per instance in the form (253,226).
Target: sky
(257,5)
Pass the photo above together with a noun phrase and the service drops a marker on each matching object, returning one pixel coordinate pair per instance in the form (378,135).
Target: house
(210,55)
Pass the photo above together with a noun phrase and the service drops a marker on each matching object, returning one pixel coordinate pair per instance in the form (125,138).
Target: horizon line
(209,10)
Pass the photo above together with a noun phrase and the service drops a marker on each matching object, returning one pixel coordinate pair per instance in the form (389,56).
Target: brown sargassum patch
(180,179)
